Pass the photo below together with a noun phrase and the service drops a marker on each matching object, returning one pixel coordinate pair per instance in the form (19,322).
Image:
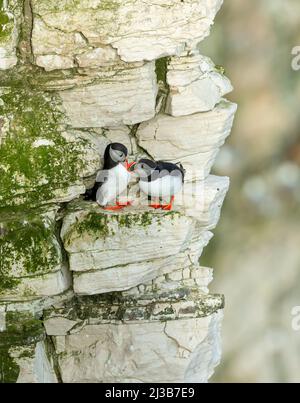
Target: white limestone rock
(9,30)
(121,135)
(189,276)
(128,97)
(40,286)
(195,85)
(105,256)
(193,140)
(58,326)
(174,351)
(167,241)
(92,229)
(97,57)
(35,368)
(200,200)
(50,39)
(121,278)
(36,305)
(137,30)
(2,319)
(161,336)
(55,62)
(203,200)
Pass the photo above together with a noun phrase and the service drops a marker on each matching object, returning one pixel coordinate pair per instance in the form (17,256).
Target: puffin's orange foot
(156,206)
(124,204)
(167,207)
(113,208)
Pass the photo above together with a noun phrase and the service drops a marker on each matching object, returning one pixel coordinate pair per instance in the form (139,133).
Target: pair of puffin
(158,179)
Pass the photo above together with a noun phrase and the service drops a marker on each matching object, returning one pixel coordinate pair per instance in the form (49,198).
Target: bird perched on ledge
(159,179)
(113,179)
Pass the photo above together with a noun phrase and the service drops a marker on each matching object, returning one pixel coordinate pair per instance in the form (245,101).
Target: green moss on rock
(6,23)
(143,219)
(116,306)
(161,68)
(101,225)
(72,6)
(28,247)
(22,331)
(93,223)
(9,370)
(31,172)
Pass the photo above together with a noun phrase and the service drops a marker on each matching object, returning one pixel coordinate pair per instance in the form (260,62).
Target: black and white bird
(113,179)
(160,180)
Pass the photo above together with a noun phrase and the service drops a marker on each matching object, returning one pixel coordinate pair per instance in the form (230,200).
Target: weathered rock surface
(180,330)
(195,84)
(94,241)
(35,368)
(177,351)
(193,140)
(203,200)
(138,30)
(40,160)
(200,200)
(9,30)
(113,100)
(32,264)
(18,343)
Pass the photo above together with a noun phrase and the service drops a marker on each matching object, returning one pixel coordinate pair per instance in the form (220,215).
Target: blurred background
(256,249)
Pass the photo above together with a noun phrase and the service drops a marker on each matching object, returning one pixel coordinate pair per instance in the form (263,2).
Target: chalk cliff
(88,295)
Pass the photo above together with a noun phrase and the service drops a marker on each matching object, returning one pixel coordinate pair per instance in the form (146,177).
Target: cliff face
(88,295)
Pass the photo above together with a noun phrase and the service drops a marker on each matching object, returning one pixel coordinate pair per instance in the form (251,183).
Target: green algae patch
(98,224)
(36,160)
(22,333)
(93,223)
(158,306)
(6,23)
(220,69)
(140,219)
(28,247)
(86,222)
(161,69)
(73,6)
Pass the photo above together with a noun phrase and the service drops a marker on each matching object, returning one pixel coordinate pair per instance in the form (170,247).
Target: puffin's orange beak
(128,165)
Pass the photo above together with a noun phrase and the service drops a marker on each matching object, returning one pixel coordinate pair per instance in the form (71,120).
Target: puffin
(113,179)
(160,179)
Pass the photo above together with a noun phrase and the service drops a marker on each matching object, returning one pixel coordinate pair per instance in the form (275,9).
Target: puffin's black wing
(90,194)
(101,178)
(182,170)
(168,167)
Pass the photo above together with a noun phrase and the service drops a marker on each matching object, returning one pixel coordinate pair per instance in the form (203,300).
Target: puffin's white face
(117,155)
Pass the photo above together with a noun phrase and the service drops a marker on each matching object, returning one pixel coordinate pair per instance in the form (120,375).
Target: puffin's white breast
(116,183)
(166,186)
